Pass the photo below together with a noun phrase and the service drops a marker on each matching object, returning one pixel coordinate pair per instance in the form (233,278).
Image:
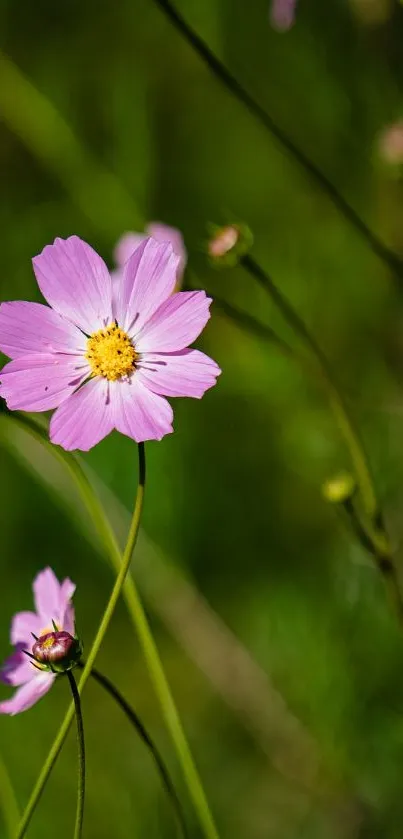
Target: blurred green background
(290,681)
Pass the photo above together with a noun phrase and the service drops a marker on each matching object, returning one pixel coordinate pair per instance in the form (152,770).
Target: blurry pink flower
(390,144)
(223,241)
(161,233)
(52,603)
(104,364)
(282,14)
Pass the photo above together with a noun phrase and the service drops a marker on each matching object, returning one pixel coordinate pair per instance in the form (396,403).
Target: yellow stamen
(111,353)
(48,643)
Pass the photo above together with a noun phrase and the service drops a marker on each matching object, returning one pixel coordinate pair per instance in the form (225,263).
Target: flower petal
(139,413)
(17,669)
(76,283)
(185,373)
(175,324)
(35,328)
(28,694)
(41,382)
(163,233)
(67,615)
(149,278)
(22,627)
(85,418)
(46,588)
(282,14)
(126,245)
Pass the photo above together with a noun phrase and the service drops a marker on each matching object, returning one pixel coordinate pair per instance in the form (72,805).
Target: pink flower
(104,364)
(161,233)
(282,14)
(390,143)
(52,603)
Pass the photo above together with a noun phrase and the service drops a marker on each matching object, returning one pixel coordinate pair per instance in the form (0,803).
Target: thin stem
(220,71)
(380,550)
(344,421)
(372,534)
(107,616)
(138,617)
(136,722)
(8,801)
(81,757)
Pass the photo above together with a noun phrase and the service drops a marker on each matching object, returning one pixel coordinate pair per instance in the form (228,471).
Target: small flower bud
(339,489)
(227,244)
(57,651)
(390,144)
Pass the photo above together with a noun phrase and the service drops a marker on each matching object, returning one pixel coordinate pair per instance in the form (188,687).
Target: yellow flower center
(46,645)
(111,353)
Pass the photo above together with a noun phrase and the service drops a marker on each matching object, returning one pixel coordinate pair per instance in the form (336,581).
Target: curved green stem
(107,616)
(8,801)
(371,532)
(344,421)
(136,722)
(81,757)
(139,620)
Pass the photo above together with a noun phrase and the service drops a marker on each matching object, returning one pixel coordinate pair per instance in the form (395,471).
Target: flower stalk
(137,724)
(389,257)
(81,756)
(140,623)
(106,619)
(371,529)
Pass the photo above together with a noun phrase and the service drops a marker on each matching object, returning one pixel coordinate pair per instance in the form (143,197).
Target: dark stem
(145,737)
(287,310)
(142,464)
(81,757)
(391,259)
(382,556)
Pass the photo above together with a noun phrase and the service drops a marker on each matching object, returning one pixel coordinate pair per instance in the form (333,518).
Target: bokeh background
(283,656)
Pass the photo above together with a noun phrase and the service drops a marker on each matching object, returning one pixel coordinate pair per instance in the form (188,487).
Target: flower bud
(57,651)
(229,243)
(339,489)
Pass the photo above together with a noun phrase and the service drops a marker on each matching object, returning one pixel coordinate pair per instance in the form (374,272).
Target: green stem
(379,548)
(147,740)
(139,620)
(344,421)
(371,533)
(81,757)
(8,801)
(107,616)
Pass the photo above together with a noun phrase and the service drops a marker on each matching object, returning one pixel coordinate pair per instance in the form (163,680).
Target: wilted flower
(104,364)
(282,14)
(161,233)
(53,607)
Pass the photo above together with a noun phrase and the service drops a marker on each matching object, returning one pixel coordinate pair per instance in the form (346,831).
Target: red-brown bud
(57,651)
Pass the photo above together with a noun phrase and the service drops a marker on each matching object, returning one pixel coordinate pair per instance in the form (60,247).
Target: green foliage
(109,120)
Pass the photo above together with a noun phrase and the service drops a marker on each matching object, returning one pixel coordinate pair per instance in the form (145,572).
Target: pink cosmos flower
(52,603)
(104,364)
(161,233)
(282,14)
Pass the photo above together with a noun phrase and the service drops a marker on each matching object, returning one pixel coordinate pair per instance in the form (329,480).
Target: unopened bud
(339,489)
(390,144)
(57,651)
(229,243)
